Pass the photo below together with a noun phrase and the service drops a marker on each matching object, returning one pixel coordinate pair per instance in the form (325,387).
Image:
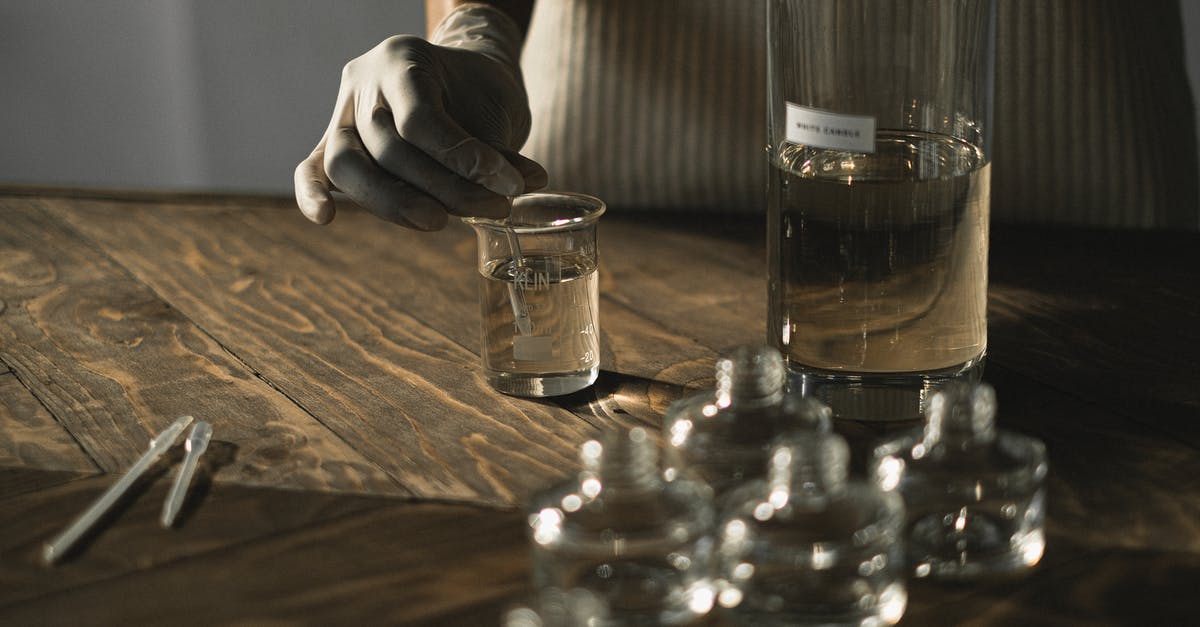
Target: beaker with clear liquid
(539,294)
(879,157)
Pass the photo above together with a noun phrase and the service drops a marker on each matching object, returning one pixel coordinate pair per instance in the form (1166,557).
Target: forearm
(518,10)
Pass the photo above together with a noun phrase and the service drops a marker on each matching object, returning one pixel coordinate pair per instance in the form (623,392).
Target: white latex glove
(422,130)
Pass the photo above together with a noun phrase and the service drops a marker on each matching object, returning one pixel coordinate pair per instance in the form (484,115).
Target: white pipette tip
(56,548)
(164,440)
(196,444)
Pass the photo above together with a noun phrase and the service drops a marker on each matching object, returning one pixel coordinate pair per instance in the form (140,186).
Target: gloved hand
(425,129)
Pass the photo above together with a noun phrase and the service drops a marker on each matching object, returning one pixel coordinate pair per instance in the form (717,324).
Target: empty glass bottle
(975,494)
(621,546)
(723,437)
(808,546)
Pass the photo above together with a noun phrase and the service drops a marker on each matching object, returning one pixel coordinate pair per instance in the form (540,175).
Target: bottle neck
(627,461)
(750,377)
(961,416)
(809,468)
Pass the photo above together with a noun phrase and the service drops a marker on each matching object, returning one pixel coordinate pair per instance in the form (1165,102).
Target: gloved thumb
(534,174)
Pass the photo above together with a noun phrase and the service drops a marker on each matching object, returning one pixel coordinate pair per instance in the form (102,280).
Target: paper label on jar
(825,129)
(533,347)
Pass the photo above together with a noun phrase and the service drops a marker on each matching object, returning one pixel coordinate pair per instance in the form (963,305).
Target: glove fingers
(359,177)
(408,163)
(310,181)
(313,187)
(421,121)
(533,172)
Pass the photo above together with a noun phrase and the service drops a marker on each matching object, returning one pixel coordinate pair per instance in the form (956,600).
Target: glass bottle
(975,494)
(619,544)
(808,546)
(879,132)
(723,437)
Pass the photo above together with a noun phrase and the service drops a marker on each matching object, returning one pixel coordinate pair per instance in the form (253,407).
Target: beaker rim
(579,210)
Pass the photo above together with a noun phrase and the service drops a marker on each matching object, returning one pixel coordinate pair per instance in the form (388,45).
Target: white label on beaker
(533,347)
(823,129)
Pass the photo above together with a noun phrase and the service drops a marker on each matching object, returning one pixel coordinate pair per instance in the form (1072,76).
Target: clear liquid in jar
(879,261)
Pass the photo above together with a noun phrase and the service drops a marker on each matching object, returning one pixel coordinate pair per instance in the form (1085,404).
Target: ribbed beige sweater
(661,104)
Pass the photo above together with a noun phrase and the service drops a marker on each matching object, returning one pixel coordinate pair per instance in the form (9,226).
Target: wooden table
(363,472)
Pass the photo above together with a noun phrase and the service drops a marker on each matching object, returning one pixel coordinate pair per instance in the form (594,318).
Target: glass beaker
(879,132)
(538,294)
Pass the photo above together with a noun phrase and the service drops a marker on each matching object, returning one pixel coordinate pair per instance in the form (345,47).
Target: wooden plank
(1117,487)
(396,564)
(652,353)
(1119,587)
(702,278)
(216,517)
(658,311)
(1112,484)
(29,435)
(663,322)
(650,356)
(114,364)
(342,343)
(1110,316)
(644,335)
(645,365)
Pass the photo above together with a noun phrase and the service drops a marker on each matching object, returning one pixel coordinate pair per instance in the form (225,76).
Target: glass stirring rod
(63,542)
(196,443)
(516,289)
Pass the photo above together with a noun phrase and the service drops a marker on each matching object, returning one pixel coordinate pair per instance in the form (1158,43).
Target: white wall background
(195,94)
(177,94)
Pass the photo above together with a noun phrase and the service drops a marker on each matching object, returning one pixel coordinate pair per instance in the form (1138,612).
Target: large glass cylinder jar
(879,126)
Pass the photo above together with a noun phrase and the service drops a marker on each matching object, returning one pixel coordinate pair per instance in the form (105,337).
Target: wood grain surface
(340,364)
(347,345)
(31,437)
(115,364)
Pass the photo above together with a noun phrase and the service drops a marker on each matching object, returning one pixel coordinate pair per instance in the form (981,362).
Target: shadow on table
(1108,587)
(623,400)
